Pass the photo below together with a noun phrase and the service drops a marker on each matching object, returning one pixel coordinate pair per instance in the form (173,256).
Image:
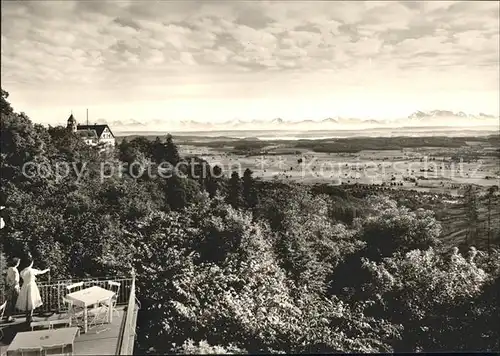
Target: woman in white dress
(29,296)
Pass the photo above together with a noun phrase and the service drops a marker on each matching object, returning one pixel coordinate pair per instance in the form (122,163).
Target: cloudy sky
(216,61)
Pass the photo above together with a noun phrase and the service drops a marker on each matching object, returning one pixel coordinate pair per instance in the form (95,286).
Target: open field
(437,164)
(406,169)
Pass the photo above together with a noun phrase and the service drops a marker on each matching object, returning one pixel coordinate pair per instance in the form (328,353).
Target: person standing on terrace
(29,297)
(12,288)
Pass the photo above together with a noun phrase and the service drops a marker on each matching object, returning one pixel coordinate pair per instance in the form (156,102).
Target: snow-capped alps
(416,119)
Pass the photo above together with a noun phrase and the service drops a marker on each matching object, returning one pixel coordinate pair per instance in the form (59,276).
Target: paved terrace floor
(101,340)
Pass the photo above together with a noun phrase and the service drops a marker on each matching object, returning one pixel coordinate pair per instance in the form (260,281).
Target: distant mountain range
(445,113)
(416,119)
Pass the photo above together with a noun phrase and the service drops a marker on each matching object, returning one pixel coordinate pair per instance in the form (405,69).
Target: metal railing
(53,292)
(125,344)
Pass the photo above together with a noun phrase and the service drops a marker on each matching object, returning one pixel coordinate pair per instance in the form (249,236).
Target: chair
(58,322)
(2,312)
(30,351)
(74,313)
(114,287)
(91,283)
(59,349)
(43,324)
(74,287)
(98,316)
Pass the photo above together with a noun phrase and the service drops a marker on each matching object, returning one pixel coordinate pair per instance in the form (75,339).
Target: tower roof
(71,118)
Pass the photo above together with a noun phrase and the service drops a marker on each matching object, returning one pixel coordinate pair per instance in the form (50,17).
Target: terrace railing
(127,333)
(53,292)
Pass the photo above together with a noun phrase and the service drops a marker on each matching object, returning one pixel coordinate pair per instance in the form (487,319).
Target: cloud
(217,56)
(259,32)
(105,44)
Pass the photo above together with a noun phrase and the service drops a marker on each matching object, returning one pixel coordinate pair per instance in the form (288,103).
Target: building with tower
(92,135)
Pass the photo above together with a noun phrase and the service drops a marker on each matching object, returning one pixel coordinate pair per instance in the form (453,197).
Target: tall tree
(213,181)
(491,194)
(143,145)
(176,192)
(66,142)
(472,212)
(171,151)
(158,151)
(429,294)
(249,192)
(234,196)
(398,229)
(21,140)
(5,107)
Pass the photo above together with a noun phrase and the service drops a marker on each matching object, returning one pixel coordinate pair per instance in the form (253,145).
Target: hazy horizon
(208,61)
(294,134)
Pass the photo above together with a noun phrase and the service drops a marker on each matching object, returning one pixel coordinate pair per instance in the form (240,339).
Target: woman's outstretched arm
(37,271)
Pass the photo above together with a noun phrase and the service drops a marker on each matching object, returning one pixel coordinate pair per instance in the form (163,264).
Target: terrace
(115,338)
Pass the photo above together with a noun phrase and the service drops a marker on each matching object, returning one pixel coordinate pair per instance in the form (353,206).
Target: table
(39,338)
(91,296)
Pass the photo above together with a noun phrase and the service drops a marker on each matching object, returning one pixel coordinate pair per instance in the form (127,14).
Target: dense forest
(230,264)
